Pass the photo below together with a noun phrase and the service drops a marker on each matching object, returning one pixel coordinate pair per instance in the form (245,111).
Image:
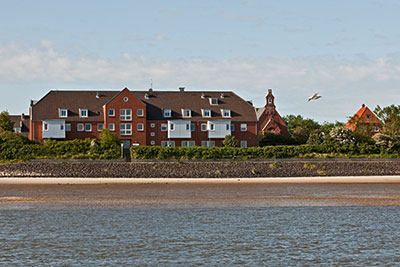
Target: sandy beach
(281,180)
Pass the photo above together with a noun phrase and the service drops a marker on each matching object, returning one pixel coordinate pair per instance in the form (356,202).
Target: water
(162,231)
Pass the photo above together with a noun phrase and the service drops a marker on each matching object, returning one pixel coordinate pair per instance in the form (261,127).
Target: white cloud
(345,84)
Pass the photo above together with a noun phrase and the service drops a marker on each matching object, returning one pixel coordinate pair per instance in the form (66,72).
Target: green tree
(390,117)
(5,123)
(230,141)
(300,128)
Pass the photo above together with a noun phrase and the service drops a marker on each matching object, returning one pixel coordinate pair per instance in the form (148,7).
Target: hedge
(300,151)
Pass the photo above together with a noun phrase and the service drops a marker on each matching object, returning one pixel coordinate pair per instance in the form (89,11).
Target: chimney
(269,91)
(203,96)
(363,105)
(150,89)
(181,89)
(222,95)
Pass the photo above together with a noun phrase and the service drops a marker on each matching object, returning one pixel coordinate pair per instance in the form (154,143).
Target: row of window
(187,113)
(125,128)
(204,127)
(125,114)
(243,143)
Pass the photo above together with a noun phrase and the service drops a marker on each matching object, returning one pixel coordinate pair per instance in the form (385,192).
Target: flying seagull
(314,97)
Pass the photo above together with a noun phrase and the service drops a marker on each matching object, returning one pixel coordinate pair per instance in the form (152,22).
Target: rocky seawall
(231,169)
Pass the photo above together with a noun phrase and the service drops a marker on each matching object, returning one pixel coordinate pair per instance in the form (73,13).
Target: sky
(346,50)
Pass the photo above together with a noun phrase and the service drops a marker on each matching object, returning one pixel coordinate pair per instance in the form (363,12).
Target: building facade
(165,118)
(365,120)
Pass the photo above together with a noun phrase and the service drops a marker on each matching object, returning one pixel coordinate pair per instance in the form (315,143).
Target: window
(45,126)
(211,126)
(140,113)
(79,127)
(152,143)
(208,143)
(125,114)
(192,127)
(167,113)
(188,143)
(214,101)
(168,143)
(203,127)
(186,113)
(63,113)
(61,127)
(83,113)
(125,99)
(269,100)
(111,127)
(152,125)
(152,134)
(172,127)
(125,129)
(164,127)
(232,127)
(368,116)
(226,113)
(140,127)
(88,127)
(100,127)
(111,112)
(67,127)
(206,113)
(17,129)
(228,126)
(243,127)
(243,143)
(188,127)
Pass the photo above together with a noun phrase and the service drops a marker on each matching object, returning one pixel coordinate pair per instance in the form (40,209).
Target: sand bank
(284,180)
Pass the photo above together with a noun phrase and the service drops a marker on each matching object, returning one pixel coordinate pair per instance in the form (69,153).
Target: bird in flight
(314,97)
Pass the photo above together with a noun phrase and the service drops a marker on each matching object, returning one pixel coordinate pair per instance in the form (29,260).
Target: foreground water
(199,225)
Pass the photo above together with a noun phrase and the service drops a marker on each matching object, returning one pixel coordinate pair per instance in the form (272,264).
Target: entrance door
(126,144)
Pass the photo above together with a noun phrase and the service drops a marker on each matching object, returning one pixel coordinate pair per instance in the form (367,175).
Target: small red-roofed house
(269,119)
(367,119)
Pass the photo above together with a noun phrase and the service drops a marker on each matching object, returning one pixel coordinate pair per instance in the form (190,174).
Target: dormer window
(214,101)
(167,113)
(186,113)
(226,113)
(63,113)
(206,113)
(83,113)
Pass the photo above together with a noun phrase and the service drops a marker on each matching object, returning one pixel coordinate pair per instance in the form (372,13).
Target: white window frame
(82,111)
(152,143)
(112,111)
(167,113)
(211,126)
(62,127)
(172,126)
(80,127)
(124,129)
(68,127)
(204,111)
(214,101)
(204,127)
(243,127)
(208,143)
(164,127)
(140,112)
(152,125)
(152,134)
(243,143)
(45,127)
(123,114)
(140,127)
(90,127)
(226,113)
(111,127)
(186,113)
(100,127)
(61,111)
(188,143)
(168,143)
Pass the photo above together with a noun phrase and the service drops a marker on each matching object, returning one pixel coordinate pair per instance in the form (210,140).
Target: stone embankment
(231,169)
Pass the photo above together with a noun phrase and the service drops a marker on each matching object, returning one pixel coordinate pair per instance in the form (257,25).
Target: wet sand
(210,193)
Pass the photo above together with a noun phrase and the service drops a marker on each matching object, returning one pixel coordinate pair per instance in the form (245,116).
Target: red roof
(364,115)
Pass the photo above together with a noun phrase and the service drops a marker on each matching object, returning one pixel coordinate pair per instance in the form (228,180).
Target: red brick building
(166,118)
(365,119)
(269,119)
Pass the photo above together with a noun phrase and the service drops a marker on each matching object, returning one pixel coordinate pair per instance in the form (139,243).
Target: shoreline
(393,179)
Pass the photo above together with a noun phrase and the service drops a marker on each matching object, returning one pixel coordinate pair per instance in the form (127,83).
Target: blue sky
(348,51)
